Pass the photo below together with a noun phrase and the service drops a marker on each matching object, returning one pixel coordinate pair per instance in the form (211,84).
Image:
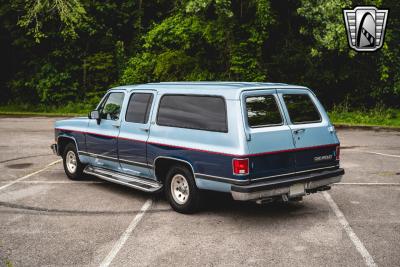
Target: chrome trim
(115,159)
(219,177)
(136,162)
(261,178)
(243,196)
(290,173)
(102,174)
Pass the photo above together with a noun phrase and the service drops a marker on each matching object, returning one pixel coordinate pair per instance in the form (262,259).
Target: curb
(367,127)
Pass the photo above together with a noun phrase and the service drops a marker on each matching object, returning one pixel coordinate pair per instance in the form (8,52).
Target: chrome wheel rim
(180,189)
(71,161)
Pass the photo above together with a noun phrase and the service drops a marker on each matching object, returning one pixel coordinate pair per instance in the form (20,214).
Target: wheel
(72,166)
(181,190)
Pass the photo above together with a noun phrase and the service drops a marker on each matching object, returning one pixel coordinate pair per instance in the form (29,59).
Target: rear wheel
(181,190)
(72,166)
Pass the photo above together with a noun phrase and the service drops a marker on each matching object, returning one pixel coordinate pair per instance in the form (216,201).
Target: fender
(172,158)
(64,135)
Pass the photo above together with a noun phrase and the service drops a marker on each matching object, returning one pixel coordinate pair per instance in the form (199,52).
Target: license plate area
(296,190)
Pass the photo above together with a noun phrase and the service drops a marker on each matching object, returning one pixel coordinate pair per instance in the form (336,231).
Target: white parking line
(56,182)
(107,261)
(369,261)
(378,184)
(381,154)
(29,175)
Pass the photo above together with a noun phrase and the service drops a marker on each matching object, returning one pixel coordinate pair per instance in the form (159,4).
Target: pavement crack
(26,157)
(47,211)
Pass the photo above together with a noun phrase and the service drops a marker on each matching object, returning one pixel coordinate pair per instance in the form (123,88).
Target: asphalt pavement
(48,220)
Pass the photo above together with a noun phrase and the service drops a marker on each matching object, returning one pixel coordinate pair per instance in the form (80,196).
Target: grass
(69,110)
(379,116)
(373,117)
(9,263)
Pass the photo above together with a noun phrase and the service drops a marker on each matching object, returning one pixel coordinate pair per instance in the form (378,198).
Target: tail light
(338,153)
(240,166)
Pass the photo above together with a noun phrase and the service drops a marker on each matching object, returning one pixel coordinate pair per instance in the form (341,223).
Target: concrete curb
(367,127)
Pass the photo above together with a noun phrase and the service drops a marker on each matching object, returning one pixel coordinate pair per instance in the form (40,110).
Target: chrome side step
(124,179)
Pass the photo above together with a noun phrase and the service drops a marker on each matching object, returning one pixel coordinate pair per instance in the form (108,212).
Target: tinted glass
(139,108)
(263,111)
(194,112)
(111,108)
(301,108)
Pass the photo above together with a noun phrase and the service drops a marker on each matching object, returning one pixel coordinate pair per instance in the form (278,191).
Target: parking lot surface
(48,220)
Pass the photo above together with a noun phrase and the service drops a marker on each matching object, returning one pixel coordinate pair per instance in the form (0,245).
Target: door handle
(116,125)
(144,129)
(299,131)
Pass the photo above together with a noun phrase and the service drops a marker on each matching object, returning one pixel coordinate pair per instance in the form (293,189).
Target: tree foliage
(58,51)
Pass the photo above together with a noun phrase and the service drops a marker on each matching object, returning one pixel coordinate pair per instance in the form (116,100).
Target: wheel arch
(62,142)
(163,163)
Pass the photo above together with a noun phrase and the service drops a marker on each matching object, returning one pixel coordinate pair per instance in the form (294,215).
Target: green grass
(68,110)
(9,263)
(385,117)
(373,117)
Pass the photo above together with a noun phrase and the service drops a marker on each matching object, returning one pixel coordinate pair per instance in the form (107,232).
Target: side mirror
(95,115)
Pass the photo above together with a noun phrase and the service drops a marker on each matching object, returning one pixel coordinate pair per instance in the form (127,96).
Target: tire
(73,171)
(181,190)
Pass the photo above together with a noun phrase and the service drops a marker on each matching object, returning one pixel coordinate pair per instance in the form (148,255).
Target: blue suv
(256,141)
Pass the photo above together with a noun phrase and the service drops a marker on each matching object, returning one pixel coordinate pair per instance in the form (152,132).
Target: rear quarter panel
(209,153)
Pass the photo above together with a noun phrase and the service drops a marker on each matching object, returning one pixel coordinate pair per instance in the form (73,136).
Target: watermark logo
(365,27)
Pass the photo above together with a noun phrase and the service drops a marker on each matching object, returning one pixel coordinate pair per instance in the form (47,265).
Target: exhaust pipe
(262,201)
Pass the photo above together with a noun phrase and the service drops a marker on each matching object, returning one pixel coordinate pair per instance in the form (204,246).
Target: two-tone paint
(275,151)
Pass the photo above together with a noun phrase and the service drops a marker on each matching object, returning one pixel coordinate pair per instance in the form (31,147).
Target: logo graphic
(365,27)
(321,158)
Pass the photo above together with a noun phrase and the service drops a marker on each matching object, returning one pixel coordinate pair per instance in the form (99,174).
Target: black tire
(77,174)
(193,201)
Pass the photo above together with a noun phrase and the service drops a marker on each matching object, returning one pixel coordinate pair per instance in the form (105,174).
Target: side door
(271,144)
(102,135)
(313,135)
(134,133)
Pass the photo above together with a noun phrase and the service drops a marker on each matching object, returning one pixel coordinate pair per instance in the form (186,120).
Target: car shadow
(219,203)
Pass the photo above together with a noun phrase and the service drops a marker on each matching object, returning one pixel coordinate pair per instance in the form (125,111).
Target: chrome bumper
(312,182)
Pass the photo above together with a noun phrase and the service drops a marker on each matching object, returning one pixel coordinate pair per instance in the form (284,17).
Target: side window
(139,108)
(194,112)
(111,108)
(301,108)
(263,111)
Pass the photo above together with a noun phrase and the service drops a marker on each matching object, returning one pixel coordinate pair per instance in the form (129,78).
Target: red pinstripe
(207,151)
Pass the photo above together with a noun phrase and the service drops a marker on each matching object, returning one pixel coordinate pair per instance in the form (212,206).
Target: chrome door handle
(299,131)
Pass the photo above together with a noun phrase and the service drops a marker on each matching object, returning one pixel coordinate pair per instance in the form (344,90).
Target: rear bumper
(312,182)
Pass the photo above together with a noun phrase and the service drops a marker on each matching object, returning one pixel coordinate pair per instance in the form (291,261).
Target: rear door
(313,135)
(134,133)
(271,144)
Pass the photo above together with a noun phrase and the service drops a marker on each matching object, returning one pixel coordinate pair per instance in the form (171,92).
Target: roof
(230,90)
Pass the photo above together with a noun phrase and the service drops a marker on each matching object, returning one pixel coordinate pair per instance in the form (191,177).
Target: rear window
(139,108)
(301,108)
(263,111)
(193,112)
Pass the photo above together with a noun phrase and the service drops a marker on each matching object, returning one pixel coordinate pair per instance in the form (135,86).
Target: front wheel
(181,190)
(72,166)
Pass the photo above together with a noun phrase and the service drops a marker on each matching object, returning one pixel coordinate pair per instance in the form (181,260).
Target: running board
(143,184)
